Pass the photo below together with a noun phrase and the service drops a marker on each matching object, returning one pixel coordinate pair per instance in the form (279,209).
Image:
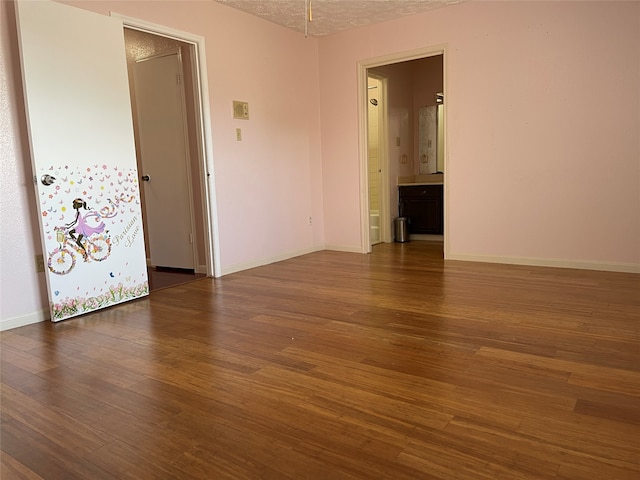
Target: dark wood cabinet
(422,205)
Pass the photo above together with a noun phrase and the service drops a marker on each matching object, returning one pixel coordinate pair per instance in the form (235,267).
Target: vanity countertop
(433,179)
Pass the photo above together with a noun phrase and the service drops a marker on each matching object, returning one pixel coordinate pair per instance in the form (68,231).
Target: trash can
(401,229)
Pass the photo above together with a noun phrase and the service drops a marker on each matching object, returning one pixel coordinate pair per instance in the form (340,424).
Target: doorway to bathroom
(402,86)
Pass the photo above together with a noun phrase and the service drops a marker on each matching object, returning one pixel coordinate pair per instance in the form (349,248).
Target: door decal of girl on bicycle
(96,245)
(84,230)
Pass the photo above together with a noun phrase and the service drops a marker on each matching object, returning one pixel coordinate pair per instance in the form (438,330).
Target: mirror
(431,138)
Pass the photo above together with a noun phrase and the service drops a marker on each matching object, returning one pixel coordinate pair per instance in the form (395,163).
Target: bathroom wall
(400,118)
(412,84)
(428,80)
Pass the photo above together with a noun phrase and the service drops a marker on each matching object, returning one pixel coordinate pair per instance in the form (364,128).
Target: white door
(83,156)
(165,172)
(375,190)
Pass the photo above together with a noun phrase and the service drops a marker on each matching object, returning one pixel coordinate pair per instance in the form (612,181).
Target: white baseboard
(266,261)
(426,238)
(549,262)
(201,269)
(23,320)
(197,269)
(342,248)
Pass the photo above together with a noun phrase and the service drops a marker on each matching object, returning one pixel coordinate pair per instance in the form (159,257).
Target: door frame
(203,133)
(362,72)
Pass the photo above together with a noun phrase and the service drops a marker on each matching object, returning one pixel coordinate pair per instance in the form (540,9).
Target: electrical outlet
(39,263)
(309,220)
(238,134)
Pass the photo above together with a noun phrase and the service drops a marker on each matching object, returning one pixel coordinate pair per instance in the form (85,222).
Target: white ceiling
(330,16)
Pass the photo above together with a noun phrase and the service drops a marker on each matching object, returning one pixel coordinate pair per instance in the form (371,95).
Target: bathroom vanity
(420,200)
(421,195)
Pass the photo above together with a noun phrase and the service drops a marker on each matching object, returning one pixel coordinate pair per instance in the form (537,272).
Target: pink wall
(339,133)
(543,108)
(22,291)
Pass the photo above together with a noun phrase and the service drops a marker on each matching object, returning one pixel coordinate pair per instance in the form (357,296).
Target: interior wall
(543,117)
(23,297)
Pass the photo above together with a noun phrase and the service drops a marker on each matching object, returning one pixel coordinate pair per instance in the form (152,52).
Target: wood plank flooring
(394,365)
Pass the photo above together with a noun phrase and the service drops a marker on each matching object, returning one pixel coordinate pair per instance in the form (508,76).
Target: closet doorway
(178,250)
(411,82)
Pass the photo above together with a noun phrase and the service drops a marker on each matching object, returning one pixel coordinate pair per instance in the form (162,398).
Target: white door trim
(363,66)
(204,134)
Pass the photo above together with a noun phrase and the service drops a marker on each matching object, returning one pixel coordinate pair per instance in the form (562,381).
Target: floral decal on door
(92,226)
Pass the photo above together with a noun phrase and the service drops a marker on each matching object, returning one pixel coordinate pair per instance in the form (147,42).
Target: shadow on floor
(164,277)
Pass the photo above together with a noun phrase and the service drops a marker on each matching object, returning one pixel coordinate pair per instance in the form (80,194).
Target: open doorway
(177,250)
(414,83)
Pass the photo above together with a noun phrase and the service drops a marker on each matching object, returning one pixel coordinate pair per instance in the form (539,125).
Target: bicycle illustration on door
(79,238)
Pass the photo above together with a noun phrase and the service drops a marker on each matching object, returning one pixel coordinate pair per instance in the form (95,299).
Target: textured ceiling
(330,16)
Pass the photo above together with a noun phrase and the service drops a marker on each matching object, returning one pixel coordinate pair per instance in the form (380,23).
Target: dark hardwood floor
(395,365)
